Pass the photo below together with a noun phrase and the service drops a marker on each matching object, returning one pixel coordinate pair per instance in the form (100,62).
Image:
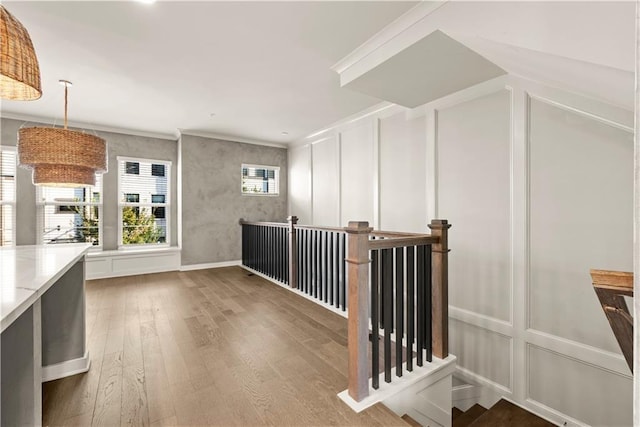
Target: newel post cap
(293,219)
(439,224)
(358,227)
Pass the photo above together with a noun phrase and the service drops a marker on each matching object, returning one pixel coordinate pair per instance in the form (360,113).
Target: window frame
(122,204)
(253,166)
(41,206)
(12,203)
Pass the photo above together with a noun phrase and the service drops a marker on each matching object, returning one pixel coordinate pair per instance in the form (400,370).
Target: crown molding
(325,132)
(405,21)
(231,138)
(91,126)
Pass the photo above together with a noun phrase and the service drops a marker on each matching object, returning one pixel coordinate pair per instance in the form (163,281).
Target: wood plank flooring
(208,347)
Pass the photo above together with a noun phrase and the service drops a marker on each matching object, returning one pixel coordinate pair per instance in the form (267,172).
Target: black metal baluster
(325,263)
(320,264)
(337,268)
(309,262)
(375,338)
(387,304)
(410,307)
(420,284)
(399,308)
(427,305)
(330,267)
(344,272)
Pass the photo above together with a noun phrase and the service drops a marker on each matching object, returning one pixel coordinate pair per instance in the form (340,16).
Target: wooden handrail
(611,287)
(313,227)
(382,233)
(617,281)
(399,242)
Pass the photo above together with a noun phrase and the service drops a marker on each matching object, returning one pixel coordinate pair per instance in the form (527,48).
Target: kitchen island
(42,325)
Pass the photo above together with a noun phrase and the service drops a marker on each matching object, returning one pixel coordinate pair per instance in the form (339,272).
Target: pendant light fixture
(19,69)
(62,157)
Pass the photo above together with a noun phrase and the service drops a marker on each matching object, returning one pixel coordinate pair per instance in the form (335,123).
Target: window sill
(133,251)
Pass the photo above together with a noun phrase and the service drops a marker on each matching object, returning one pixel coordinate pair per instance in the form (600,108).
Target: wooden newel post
(440,289)
(293,252)
(358,325)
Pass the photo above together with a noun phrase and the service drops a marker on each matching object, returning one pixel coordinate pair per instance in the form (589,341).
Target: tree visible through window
(260,180)
(144,199)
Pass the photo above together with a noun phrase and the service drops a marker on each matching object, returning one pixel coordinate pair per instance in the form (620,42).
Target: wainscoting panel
(581,195)
(473,189)
(583,391)
(403,174)
(100,265)
(300,183)
(326,182)
(481,351)
(356,172)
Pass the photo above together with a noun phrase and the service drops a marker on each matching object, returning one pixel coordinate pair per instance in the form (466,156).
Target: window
(70,215)
(7,196)
(260,180)
(143,202)
(133,168)
(157,170)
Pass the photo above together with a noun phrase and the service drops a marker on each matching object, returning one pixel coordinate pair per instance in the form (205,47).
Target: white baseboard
(66,369)
(210,265)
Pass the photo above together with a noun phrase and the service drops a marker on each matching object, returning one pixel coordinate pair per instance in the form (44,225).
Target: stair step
(505,413)
(469,416)
(410,421)
(455,413)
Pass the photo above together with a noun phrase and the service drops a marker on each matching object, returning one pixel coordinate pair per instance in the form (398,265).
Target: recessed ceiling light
(146,1)
(212,114)
(285,133)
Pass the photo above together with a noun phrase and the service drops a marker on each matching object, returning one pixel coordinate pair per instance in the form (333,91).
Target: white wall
(538,186)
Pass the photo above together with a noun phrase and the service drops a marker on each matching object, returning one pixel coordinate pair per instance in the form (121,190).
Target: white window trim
(40,206)
(248,165)
(12,203)
(167,204)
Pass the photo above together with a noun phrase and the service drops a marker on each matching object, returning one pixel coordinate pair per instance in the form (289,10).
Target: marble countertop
(26,272)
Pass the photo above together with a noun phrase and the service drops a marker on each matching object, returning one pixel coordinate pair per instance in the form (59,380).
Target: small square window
(157,198)
(133,168)
(132,198)
(157,170)
(260,180)
(159,212)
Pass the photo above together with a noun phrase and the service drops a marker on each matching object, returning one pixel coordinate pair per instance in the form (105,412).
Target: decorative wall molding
(102,265)
(230,138)
(92,126)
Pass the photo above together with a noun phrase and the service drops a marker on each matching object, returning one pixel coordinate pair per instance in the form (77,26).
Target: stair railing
(611,287)
(391,284)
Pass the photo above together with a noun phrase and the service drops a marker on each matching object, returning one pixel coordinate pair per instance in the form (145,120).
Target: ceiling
(262,68)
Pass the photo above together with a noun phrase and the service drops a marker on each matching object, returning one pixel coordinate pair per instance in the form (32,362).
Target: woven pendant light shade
(19,69)
(62,157)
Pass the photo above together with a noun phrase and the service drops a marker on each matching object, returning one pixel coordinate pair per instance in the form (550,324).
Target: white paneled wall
(403,173)
(300,183)
(537,184)
(325,198)
(358,172)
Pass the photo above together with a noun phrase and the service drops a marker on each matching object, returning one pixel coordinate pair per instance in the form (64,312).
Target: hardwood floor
(208,347)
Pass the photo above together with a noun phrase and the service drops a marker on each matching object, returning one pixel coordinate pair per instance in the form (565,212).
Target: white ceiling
(263,68)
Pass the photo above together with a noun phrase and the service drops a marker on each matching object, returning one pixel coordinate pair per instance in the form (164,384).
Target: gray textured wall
(211,198)
(118,145)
